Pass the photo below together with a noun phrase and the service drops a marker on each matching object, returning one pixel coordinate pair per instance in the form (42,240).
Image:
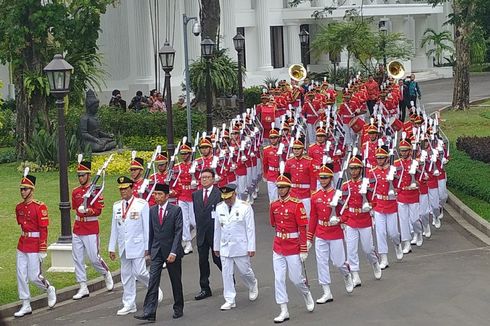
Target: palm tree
(441,42)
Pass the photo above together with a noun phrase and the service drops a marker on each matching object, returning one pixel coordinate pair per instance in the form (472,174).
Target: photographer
(139,102)
(116,100)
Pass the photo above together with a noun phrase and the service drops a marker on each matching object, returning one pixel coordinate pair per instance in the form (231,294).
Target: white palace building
(270,27)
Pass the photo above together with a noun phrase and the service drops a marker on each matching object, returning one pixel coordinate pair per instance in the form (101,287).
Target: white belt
(300,185)
(384,197)
(271,168)
(86,219)
(292,235)
(355,210)
(30,234)
(323,223)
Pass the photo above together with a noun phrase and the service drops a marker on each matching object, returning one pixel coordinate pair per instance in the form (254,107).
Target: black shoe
(177,314)
(203,295)
(150,318)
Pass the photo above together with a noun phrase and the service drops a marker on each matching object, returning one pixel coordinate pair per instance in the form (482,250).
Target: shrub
(120,162)
(144,143)
(148,124)
(251,96)
(7,155)
(33,167)
(476,147)
(7,128)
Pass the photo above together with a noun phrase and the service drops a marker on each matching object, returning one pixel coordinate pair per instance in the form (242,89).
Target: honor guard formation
(342,176)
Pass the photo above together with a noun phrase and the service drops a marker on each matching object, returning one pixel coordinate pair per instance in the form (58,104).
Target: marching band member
(329,238)
(303,180)
(317,150)
(130,231)
(136,169)
(385,208)
(357,218)
(32,216)
(85,239)
(234,243)
(289,220)
(270,163)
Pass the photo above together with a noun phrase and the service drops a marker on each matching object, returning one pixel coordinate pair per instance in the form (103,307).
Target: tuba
(395,69)
(297,72)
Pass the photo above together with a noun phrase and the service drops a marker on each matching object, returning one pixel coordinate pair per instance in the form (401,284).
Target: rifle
(170,168)
(146,179)
(391,173)
(93,186)
(193,167)
(333,220)
(366,206)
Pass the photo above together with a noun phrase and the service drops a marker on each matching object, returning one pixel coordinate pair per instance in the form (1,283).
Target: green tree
(31,32)
(439,42)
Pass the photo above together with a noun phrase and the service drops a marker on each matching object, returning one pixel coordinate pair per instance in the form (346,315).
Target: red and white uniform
(33,220)
(85,239)
(302,178)
(288,218)
(316,151)
(184,191)
(408,200)
(270,166)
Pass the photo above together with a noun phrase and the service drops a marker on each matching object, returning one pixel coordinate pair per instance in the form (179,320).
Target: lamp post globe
(207,51)
(239,43)
(167,56)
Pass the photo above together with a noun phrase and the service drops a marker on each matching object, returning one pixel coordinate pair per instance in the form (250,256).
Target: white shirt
(208,190)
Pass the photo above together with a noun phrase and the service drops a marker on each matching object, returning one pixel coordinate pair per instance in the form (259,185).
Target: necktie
(401,93)
(160,215)
(229,209)
(127,204)
(205,197)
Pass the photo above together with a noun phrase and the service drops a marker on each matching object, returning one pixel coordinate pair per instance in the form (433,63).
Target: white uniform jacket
(234,231)
(131,231)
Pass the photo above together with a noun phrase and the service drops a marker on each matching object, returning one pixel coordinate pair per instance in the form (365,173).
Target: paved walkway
(445,282)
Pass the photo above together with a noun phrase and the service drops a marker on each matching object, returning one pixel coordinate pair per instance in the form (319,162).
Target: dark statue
(98,140)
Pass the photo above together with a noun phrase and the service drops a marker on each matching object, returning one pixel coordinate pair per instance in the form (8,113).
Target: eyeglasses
(206,177)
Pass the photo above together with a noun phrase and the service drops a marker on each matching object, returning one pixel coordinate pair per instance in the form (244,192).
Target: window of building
(241,30)
(277,47)
(305,51)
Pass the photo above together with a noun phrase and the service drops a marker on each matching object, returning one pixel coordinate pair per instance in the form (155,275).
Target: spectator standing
(117,101)
(413,90)
(138,102)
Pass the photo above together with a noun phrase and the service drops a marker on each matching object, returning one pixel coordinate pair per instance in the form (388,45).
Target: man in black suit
(205,201)
(404,99)
(164,246)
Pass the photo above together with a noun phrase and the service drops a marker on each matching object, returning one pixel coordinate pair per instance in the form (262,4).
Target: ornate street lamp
(207,51)
(304,38)
(59,73)
(239,42)
(167,56)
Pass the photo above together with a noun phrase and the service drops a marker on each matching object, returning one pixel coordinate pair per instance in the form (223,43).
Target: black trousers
(175,274)
(403,109)
(414,99)
(204,271)
(370,105)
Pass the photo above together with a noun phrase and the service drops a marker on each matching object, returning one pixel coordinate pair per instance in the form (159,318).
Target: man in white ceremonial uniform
(130,232)
(234,243)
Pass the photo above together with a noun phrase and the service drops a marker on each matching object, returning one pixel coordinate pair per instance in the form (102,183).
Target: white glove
(42,255)
(81,209)
(303,256)
(444,161)
(308,244)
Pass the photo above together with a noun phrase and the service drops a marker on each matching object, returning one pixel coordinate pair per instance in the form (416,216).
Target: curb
(64,294)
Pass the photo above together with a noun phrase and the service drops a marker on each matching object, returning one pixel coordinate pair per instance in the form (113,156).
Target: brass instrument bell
(395,69)
(297,72)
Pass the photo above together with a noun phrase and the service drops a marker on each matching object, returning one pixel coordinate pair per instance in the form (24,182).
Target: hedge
(476,147)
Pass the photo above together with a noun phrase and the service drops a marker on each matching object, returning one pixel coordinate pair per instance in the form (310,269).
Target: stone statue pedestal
(61,258)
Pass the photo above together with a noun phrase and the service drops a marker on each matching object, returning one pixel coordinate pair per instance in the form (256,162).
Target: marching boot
(228,305)
(160,295)
(384,261)
(51,296)
(427,233)
(356,280)
(420,239)
(82,292)
(414,239)
(327,295)
(377,271)
(24,310)
(349,284)
(284,315)
(253,293)
(407,247)
(188,248)
(109,283)
(399,251)
(436,222)
(310,304)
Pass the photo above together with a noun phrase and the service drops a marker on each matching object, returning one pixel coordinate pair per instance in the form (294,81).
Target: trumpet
(297,72)
(395,69)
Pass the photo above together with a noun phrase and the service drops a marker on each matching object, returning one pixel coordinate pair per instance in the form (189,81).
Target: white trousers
(272,191)
(88,244)
(334,251)
(188,219)
(132,270)
(307,203)
(241,186)
(424,208)
(250,177)
(349,133)
(291,264)
(442,189)
(259,168)
(386,223)
(311,133)
(352,237)
(409,218)
(434,201)
(244,270)
(336,177)
(29,270)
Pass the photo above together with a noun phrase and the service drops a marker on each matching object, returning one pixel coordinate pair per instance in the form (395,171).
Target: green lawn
(47,190)
(464,174)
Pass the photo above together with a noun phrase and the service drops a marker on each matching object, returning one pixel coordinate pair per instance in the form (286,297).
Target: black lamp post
(383,29)
(304,38)
(239,42)
(167,56)
(59,72)
(207,50)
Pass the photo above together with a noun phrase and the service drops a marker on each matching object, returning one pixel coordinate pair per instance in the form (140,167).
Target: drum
(357,124)
(397,125)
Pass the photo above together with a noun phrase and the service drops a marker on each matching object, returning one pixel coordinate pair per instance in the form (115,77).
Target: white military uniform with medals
(234,237)
(130,231)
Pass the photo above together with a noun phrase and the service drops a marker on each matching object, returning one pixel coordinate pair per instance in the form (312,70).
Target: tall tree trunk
(461,92)
(210,19)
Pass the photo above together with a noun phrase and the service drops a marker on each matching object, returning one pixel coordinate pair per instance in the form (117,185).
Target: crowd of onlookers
(142,103)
